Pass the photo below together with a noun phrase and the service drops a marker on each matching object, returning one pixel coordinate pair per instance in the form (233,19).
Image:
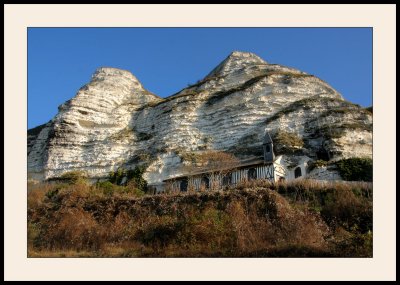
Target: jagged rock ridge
(113,121)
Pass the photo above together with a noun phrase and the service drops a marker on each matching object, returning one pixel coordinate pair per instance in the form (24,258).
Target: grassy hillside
(259,219)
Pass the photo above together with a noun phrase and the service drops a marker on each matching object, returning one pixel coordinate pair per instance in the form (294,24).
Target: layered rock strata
(113,121)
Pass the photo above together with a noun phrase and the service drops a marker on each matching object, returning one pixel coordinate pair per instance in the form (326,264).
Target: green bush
(135,183)
(132,189)
(318,163)
(110,189)
(107,187)
(135,176)
(355,169)
(74,177)
(116,177)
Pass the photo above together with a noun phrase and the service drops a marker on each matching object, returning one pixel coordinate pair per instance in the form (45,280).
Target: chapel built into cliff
(269,167)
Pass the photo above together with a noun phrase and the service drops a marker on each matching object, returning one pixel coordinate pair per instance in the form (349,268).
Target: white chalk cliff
(113,121)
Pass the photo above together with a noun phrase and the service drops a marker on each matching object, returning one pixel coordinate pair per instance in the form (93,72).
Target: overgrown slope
(260,219)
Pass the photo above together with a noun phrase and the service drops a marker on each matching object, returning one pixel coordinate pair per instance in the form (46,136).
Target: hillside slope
(258,219)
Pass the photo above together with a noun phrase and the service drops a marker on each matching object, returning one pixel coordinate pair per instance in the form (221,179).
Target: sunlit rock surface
(113,121)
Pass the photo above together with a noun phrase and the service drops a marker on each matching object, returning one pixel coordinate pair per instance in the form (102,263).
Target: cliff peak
(116,76)
(234,55)
(236,60)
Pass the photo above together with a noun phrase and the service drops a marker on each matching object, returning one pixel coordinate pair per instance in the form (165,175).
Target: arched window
(297,172)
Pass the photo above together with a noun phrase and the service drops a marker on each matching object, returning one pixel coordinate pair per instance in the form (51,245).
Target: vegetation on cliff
(355,169)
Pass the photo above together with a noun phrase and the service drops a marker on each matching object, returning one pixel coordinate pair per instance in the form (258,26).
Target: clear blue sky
(165,60)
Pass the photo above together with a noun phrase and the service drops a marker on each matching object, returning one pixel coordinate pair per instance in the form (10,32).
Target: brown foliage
(217,164)
(213,161)
(250,220)
(73,228)
(217,159)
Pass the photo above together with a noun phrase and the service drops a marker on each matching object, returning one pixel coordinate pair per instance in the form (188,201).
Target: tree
(132,176)
(135,178)
(216,165)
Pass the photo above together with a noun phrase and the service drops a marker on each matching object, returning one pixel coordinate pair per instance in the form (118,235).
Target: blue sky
(165,60)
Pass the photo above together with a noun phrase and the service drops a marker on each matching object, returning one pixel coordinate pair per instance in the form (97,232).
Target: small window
(252,174)
(267,148)
(206,182)
(184,185)
(227,180)
(297,172)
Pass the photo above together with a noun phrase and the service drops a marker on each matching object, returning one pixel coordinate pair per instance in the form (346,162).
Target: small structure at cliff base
(269,167)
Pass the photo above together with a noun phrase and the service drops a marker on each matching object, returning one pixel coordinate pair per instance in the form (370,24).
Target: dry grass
(254,219)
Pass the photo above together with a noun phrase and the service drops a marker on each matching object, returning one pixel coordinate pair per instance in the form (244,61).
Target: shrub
(74,177)
(38,192)
(106,187)
(135,177)
(133,189)
(343,208)
(355,169)
(286,142)
(158,230)
(115,177)
(316,164)
(52,193)
(110,189)
(73,228)
(33,234)
(187,156)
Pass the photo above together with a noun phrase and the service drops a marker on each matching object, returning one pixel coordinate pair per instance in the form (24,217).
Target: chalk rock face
(114,122)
